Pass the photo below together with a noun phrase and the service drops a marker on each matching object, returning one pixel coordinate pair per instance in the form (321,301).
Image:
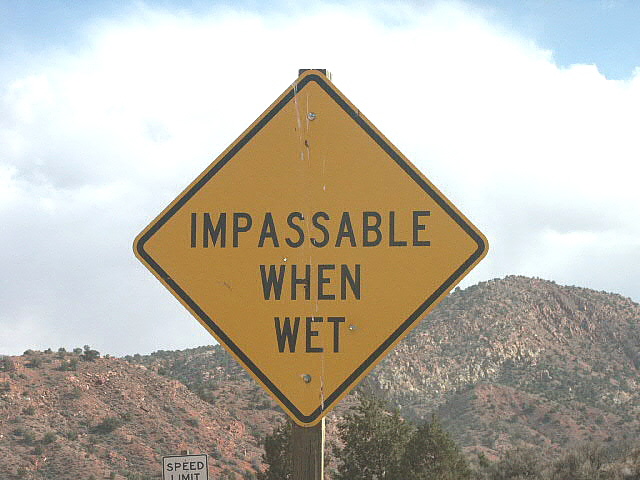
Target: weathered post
(307,445)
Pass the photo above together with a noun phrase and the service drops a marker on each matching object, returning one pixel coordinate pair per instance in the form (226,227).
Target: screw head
(311,116)
(306,378)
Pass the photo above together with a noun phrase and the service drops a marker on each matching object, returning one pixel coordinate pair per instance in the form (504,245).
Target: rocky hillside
(514,361)
(508,361)
(62,417)
(539,362)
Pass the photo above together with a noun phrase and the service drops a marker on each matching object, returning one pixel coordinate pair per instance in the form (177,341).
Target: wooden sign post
(307,445)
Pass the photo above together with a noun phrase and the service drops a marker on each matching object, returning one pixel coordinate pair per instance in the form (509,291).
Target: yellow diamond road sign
(310,247)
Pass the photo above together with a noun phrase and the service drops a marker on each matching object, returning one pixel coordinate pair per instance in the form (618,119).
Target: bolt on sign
(310,247)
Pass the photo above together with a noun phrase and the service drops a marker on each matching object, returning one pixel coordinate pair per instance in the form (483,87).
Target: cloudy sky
(526,114)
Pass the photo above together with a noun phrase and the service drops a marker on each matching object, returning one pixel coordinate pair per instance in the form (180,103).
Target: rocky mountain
(63,416)
(513,361)
(509,361)
(522,359)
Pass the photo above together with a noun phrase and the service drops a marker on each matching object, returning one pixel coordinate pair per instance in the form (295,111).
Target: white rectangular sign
(185,467)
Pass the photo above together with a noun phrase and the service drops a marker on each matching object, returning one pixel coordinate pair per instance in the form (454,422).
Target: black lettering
(367,228)
(237,228)
(312,333)
(297,228)
(417,227)
(354,282)
(345,230)
(211,232)
(194,230)
(321,227)
(336,332)
(285,335)
(295,281)
(268,231)
(322,280)
(272,281)
(392,232)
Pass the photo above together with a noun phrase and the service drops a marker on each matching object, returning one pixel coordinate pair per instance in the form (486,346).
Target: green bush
(30,410)
(277,454)
(71,365)
(34,362)
(108,425)
(374,441)
(431,453)
(7,364)
(377,443)
(89,354)
(192,422)
(28,438)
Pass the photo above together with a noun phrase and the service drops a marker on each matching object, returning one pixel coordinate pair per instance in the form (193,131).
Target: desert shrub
(192,422)
(374,441)
(89,355)
(71,365)
(34,362)
(432,453)
(7,364)
(108,425)
(277,454)
(516,464)
(30,410)
(588,461)
(28,438)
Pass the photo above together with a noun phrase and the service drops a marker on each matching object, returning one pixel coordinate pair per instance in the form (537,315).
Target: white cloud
(95,141)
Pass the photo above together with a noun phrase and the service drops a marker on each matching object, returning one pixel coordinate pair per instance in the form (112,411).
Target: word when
(273,281)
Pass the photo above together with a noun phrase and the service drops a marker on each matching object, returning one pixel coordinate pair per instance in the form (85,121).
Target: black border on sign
(216,167)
